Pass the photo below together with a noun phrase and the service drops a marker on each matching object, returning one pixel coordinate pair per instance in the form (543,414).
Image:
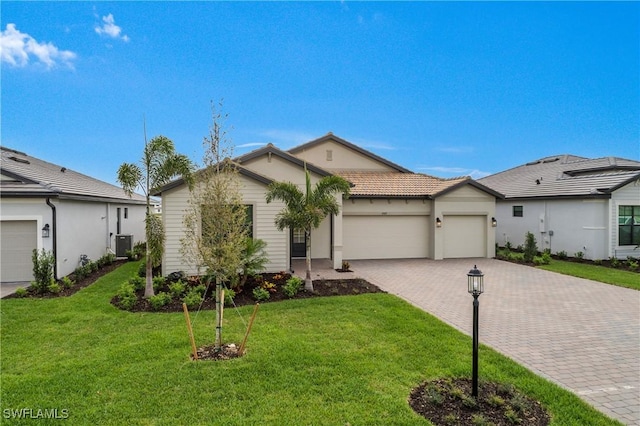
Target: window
(126,212)
(518,211)
(118,218)
(209,223)
(628,225)
(248,220)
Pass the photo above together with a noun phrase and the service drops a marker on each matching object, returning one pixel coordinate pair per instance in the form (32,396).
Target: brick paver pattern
(580,334)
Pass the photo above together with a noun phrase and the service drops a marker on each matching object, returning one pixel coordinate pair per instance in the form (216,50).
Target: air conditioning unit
(123,244)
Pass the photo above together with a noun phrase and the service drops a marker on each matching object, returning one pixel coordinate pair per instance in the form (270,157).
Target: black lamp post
(475,280)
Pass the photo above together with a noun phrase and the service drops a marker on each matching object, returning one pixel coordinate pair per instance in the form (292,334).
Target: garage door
(385,237)
(17,241)
(464,236)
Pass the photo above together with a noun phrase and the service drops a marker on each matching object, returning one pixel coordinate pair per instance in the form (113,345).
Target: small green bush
(496,401)
(200,289)
(127,296)
(229,294)
(292,286)
(260,294)
(158,283)
(137,282)
(530,247)
(159,300)
(42,270)
(177,289)
(615,263)
(21,292)
(516,257)
(545,259)
(562,255)
(512,417)
(192,299)
(508,246)
(632,264)
(597,261)
(579,255)
(54,287)
(66,282)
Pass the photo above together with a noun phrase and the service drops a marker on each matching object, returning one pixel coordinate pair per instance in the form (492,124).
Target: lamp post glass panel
(475,282)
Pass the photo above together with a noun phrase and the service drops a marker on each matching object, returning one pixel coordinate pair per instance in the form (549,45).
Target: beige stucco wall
(340,157)
(463,201)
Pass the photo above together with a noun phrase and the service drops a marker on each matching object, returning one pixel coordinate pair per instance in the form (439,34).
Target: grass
(327,361)
(595,272)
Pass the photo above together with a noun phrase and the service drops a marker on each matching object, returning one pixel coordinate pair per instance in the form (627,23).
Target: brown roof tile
(394,184)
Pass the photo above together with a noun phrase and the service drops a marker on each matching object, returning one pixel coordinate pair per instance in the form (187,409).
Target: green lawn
(329,361)
(594,272)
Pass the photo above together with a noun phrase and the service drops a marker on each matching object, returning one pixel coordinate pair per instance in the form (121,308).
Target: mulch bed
(449,402)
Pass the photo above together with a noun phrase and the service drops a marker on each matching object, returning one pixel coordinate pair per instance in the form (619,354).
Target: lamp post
(475,281)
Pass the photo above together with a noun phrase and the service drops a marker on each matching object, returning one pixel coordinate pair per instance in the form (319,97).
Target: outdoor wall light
(475,283)
(494,222)
(45,231)
(438,222)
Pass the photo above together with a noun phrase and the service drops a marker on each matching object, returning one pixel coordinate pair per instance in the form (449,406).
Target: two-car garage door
(17,241)
(385,237)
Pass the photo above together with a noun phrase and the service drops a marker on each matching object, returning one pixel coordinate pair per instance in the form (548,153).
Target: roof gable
(270,151)
(333,153)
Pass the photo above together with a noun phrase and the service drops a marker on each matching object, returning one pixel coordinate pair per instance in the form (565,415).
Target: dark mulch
(77,284)
(321,288)
(449,402)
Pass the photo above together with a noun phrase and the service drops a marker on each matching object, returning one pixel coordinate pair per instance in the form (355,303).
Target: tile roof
(564,176)
(394,184)
(26,176)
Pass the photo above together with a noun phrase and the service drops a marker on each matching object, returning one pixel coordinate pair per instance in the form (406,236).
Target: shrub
(137,282)
(269,286)
(193,298)
(345,265)
(545,259)
(496,401)
(201,289)
(229,294)
(292,286)
(177,289)
(42,270)
(512,417)
(260,294)
(159,300)
(21,292)
(562,255)
(579,255)
(158,283)
(515,257)
(530,247)
(632,264)
(127,296)
(615,263)
(254,257)
(54,287)
(508,246)
(66,282)
(139,249)
(597,261)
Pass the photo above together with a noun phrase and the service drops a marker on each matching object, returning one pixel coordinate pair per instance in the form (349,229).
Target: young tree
(305,211)
(160,163)
(215,221)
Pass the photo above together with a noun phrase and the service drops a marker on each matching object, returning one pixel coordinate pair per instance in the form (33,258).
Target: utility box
(123,244)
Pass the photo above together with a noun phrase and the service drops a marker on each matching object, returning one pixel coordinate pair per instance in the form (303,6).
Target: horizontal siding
(175,203)
(628,195)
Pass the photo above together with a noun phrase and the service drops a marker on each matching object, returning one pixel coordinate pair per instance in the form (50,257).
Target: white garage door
(464,236)
(17,241)
(385,237)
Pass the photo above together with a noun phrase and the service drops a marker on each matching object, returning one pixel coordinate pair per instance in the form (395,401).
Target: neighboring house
(46,206)
(391,213)
(571,204)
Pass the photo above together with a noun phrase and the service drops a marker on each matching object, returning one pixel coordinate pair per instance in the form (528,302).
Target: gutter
(55,238)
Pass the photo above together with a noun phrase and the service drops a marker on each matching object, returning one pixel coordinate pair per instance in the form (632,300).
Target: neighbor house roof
(331,137)
(26,176)
(394,184)
(565,176)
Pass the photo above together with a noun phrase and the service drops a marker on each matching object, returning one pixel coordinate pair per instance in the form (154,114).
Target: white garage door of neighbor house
(385,237)
(464,236)
(18,239)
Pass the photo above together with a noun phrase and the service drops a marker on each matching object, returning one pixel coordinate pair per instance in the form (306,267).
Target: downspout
(55,238)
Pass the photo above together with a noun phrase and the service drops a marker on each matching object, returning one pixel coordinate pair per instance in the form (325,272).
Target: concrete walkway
(580,334)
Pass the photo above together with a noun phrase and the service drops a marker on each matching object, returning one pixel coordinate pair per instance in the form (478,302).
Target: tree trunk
(148,289)
(308,282)
(219,304)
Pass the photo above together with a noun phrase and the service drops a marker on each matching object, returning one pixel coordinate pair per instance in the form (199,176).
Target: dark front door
(298,243)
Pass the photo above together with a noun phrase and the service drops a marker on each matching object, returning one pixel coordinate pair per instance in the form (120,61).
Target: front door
(298,243)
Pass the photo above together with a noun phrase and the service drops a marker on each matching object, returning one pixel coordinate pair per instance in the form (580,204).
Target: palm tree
(305,211)
(160,163)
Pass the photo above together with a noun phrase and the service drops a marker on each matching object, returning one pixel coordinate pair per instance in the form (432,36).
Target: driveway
(580,334)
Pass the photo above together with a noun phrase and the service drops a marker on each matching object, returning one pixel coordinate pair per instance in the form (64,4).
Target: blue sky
(443,88)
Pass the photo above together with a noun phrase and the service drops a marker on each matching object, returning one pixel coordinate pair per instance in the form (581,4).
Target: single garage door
(17,241)
(464,236)
(385,237)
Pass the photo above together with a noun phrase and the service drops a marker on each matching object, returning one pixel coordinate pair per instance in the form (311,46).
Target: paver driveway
(580,334)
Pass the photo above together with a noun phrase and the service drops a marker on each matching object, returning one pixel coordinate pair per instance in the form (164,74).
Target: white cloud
(286,138)
(250,145)
(454,172)
(17,47)
(110,29)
